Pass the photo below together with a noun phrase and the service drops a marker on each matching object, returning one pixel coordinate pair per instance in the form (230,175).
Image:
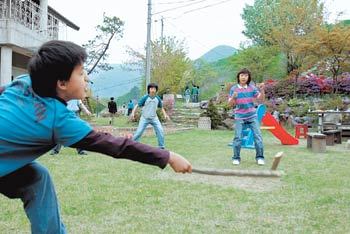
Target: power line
(207,6)
(175,8)
(136,80)
(195,9)
(170,3)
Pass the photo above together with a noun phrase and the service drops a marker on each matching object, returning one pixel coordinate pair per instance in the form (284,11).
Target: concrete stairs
(186,115)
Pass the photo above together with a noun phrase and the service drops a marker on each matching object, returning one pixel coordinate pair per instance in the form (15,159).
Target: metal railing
(28,14)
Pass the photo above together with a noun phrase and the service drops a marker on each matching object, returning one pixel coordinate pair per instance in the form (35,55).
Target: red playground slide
(279,132)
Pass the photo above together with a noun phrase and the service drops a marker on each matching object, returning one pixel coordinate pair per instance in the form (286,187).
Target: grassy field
(101,195)
(120,121)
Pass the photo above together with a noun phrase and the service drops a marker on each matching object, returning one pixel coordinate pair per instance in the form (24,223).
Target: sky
(203,24)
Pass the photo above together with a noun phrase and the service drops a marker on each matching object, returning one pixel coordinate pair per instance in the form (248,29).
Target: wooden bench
(333,136)
(317,142)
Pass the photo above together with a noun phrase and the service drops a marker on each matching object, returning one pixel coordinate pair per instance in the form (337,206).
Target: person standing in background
(112,109)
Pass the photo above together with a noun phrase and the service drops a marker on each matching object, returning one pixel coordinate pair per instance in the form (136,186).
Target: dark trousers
(58,147)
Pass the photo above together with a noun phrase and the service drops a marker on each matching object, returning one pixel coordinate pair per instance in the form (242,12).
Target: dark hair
(152,85)
(55,60)
(112,98)
(244,71)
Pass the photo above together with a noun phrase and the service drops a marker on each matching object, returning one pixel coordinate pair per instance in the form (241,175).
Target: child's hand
(166,117)
(261,86)
(235,94)
(127,135)
(179,163)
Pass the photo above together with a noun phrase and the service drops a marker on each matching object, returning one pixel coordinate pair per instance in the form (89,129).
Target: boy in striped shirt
(242,95)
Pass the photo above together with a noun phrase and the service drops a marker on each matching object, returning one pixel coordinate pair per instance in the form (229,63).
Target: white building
(24,26)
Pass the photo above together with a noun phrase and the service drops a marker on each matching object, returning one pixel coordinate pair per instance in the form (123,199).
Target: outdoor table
(321,114)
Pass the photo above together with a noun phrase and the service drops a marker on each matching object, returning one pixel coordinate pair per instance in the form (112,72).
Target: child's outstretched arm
(132,115)
(120,147)
(166,116)
(84,108)
(261,87)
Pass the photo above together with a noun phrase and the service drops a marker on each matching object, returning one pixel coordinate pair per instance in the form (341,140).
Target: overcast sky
(217,23)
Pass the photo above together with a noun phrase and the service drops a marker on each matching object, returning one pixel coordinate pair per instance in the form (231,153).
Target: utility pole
(162,30)
(148,45)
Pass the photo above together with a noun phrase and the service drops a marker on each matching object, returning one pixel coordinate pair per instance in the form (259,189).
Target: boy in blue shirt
(34,118)
(242,95)
(149,103)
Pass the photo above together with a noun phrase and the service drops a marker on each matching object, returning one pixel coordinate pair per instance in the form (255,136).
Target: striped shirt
(244,101)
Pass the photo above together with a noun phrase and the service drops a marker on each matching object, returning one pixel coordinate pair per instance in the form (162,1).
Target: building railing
(28,14)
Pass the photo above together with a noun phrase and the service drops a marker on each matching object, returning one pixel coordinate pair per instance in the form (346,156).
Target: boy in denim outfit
(242,95)
(150,103)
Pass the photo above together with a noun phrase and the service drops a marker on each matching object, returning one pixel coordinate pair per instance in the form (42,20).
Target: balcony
(26,24)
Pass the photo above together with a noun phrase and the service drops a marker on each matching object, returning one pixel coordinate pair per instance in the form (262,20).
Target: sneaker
(235,162)
(82,153)
(260,161)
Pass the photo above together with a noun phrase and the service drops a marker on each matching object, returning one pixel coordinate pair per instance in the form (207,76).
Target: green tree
(170,66)
(281,23)
(256,21)
(111,27)
(259,60)
(328,48)
(202,71)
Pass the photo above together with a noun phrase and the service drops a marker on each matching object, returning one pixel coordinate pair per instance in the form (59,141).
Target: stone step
(185,116)
(188,109)
(190,112)
(179,125)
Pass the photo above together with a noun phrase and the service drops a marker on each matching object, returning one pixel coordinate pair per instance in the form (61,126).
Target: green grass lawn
(101,195)
(120,121)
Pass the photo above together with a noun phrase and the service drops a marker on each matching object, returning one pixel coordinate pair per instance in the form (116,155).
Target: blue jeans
(157,128)
(237,140)
(33,185)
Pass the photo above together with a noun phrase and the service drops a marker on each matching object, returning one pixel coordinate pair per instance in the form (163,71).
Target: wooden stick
(276,161)
(253,173)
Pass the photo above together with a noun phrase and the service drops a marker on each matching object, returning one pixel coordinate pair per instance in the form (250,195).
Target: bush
(331,103)
(214,115)
(344,84)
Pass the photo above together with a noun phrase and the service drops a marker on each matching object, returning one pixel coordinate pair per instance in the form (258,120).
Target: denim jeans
(187,98)
(157,128)
(237,140)
(33,185)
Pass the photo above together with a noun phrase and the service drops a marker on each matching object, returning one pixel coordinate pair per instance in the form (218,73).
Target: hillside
(115,82)
(217,53)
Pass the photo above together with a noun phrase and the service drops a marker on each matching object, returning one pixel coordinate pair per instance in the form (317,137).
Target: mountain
(217,53)
(115,82)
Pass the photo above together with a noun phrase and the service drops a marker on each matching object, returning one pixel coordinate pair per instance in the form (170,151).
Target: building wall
(16,34)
